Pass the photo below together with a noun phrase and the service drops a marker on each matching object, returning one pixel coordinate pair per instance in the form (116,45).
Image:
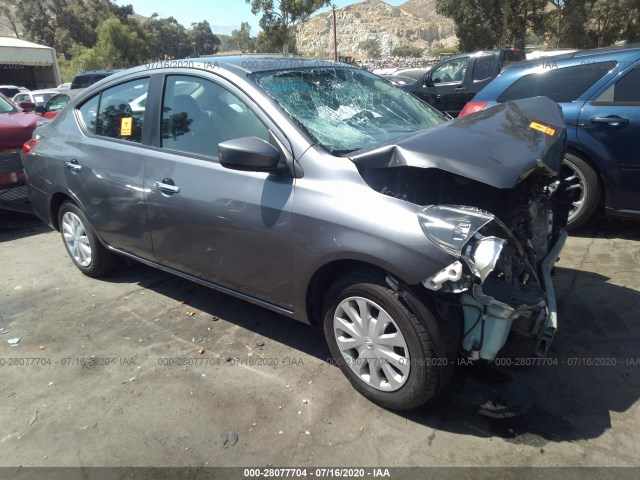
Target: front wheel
(379,344)
(82,244)
(582,187)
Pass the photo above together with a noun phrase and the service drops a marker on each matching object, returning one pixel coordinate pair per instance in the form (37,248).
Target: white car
(39,97)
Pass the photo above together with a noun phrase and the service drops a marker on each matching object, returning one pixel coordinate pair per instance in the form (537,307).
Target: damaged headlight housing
(451,226)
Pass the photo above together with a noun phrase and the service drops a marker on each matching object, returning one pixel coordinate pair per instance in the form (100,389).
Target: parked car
(10,91)
(16,127)
(37,98)
(452,82)
(599,93)
(57,102)
(86,79)
(64,86)
(323,193)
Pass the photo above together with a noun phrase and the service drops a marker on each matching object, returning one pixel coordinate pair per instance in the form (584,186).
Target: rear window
(84,81)
(559,84)
(9,92)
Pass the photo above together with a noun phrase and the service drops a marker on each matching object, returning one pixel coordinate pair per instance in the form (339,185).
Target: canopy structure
(27,64)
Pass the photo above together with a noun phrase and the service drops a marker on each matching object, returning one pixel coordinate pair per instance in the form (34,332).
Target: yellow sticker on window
(542,128)
(126,127)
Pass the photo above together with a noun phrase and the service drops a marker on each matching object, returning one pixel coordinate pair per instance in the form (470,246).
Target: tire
(583,188)
(406,376)
(82,244)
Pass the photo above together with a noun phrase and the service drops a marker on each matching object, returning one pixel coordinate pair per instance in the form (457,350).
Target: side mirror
(427,80)
(27,106)
(249,154)
(40,109)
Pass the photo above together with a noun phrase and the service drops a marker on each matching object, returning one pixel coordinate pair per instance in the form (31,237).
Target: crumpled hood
(16,128)
(499,146)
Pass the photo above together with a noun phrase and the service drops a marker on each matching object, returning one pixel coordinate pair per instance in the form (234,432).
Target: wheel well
(323,278)
(56,202)
(592,164)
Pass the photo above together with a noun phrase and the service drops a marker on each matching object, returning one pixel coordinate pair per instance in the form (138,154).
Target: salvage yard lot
(145,369)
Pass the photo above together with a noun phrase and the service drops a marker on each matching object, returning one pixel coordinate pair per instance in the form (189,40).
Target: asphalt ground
(142,368)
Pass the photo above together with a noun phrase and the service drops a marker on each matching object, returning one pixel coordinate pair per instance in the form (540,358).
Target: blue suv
(599,92)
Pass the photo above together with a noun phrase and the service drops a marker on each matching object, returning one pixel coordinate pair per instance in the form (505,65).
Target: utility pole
(335,35)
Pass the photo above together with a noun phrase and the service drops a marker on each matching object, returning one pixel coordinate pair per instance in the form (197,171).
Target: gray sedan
(326,194)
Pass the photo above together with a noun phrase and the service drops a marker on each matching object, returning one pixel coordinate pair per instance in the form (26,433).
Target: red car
(16,127)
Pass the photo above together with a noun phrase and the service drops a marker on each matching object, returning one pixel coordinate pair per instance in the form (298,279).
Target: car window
(116,118)
(624,90)
(110,114)
(564,84)
(197,114)
(6,106)
(451,71)
(21,98)
(41,98)
(57,103)
(484,67)
(89,113)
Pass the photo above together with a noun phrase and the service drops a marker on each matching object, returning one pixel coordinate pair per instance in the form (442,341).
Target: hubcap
(75,238)
(575,182)
(371,344)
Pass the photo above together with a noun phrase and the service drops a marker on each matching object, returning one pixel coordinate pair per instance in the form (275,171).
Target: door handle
(73,166)
(166,187)
(614,121)
(460,89)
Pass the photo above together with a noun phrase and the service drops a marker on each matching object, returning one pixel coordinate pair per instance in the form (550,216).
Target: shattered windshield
(346,109)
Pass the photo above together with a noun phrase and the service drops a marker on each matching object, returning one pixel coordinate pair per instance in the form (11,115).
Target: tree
(167,38)
(407,51)
(272,40)
(371,47)
(241,39)
(63,23)
(37,20)
(120,45)
(479,23)
(7,9)
(280,18)
(203,40)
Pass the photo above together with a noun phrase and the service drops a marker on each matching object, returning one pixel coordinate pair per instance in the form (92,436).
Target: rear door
(228,227)
(104,166)
(609,124)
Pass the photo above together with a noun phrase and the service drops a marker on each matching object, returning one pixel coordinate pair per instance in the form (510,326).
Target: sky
(229,13)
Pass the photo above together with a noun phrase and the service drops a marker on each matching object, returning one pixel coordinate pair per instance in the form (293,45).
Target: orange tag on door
(126,127)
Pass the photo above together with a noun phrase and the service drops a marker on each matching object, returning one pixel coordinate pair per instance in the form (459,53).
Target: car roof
(70,93)
(96,72)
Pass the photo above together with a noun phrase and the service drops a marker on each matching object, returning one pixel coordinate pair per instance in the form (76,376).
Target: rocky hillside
(414,23)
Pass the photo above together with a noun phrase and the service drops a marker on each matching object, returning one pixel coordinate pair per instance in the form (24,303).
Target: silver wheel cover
(76,239)
(371,344)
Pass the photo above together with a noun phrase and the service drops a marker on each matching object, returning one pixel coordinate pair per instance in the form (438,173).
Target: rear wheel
(583,189)
(378,343)
(82,244)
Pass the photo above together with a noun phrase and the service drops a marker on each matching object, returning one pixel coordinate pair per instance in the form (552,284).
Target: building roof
(19,43)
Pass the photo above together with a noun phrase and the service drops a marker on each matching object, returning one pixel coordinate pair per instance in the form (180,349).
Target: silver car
(324,193)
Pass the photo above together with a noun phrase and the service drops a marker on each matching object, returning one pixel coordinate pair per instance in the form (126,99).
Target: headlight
(451,226)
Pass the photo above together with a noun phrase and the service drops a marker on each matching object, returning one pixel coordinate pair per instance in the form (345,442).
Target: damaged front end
(502,277)
(504,160)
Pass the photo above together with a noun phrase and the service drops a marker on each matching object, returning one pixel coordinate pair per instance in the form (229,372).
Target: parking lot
(143,368)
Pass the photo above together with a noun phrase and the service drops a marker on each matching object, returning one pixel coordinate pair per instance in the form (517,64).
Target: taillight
(28,146)
(472,107)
